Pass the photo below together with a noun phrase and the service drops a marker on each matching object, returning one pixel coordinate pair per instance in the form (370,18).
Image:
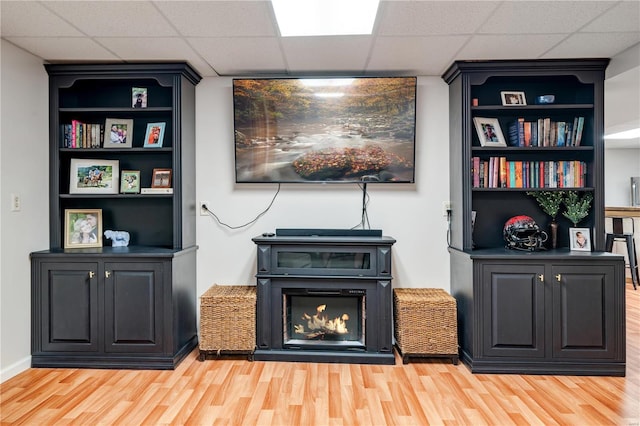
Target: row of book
(82,135)
(497,172)
(545,132)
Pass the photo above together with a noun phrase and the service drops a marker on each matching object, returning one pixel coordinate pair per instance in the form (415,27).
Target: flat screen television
(344,130)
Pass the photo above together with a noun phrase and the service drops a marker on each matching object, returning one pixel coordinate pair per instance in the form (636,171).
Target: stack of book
(497,172)
(545,132)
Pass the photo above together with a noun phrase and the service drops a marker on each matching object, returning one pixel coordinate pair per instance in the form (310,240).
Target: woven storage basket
(425,323)
(228,320)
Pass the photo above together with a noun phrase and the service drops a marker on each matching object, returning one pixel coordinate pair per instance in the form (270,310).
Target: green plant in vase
(550,202)
(577,207)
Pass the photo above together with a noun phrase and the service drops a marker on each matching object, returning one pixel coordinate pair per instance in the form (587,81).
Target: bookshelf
(531,311)
(118,307)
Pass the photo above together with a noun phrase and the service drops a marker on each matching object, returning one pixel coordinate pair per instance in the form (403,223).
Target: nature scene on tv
(319,130)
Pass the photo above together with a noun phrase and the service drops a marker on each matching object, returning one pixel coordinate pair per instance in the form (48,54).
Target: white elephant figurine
(119,238)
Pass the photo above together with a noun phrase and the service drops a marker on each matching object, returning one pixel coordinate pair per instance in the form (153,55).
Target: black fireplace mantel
(330,266)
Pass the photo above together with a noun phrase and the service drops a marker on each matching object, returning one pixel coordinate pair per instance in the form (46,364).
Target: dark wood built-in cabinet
(120,307)
(553,311)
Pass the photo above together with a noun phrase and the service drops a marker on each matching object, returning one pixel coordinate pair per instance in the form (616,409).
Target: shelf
(116,150)
(585,189)
(545,107)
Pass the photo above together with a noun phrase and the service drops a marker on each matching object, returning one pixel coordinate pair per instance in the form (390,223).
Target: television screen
(292,130)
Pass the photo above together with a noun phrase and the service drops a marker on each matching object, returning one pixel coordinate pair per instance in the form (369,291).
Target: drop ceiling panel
(593,45)
(624,16)
(241,56)
(509,46)
(415,55)
(433,17)
(220,18)
(310,54)
(113,18)
(64,48)
(31,19)
(540,17)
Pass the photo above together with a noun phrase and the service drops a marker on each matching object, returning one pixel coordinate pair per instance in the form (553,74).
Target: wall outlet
(446,207)
(203,211)
(15,203)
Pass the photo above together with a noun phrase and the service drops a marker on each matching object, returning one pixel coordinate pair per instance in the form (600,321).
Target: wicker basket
(228,320)
(425,323)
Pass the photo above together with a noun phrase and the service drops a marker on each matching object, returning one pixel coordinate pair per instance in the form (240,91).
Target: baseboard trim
(15,369)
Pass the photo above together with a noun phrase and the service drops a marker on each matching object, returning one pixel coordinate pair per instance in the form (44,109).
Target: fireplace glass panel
(324,260)
(324,320)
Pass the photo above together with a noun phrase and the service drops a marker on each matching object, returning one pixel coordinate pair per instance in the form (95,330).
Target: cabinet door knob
(91,274)
(541,278)
(107,274)
(558,277)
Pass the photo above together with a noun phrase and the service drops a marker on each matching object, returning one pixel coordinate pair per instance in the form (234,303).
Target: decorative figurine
(119,238)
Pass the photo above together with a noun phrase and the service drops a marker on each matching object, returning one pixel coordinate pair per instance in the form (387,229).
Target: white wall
(410,213)
(24,171)
(620,165)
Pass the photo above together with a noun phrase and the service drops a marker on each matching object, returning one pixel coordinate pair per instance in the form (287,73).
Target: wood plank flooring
(238,392)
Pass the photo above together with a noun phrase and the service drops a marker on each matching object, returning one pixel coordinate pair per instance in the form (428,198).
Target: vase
(554,234)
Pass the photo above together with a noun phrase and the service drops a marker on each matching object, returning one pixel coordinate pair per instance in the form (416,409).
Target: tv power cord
(212,214)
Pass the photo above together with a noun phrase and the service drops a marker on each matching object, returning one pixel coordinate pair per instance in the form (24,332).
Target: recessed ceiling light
(325,17)
(627,134)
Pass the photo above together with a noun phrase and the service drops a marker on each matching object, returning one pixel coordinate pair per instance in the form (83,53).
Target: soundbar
(311,232)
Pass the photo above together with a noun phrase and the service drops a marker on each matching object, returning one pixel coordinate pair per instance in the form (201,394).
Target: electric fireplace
(324,298)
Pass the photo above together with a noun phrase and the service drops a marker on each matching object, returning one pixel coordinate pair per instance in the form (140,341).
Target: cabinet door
(133,307)
(69,307)
(512,310)
(583,311)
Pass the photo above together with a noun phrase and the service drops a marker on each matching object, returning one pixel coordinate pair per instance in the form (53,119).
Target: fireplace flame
(319,324)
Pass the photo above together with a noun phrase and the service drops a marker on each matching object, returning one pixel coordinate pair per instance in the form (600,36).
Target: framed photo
(580,239)
(94,176)
(82,228)
(489,131)
(139,97)
(161,178)
(513,98)
(130,182)
(154,136)
(118,133)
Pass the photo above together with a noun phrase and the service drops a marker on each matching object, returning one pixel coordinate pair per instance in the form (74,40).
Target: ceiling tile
(220,18)
(542,17)
(340,53)
(415,55)
(416,18)
(508,46)
(20,18)
(113,18)
(64,48)
(240,56)
(155,49)
(593,45)
(624,16)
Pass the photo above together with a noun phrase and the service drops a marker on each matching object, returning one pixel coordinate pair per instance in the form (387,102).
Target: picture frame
(94,176)
(82,228)
(513,98)
(580,239)
(139,97)
(118,133)
(155,135)
(489,132)
(130,182)
(161,178)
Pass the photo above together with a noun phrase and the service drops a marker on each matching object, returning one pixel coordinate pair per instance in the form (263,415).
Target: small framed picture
(139,97)
(154,136)
(489,132)
(161,178)
(82,228)
(118,133)
(94,176)
(580,239)
(130,182)
(513,98)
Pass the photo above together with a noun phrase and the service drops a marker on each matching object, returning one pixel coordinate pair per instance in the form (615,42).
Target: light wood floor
(238,392)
